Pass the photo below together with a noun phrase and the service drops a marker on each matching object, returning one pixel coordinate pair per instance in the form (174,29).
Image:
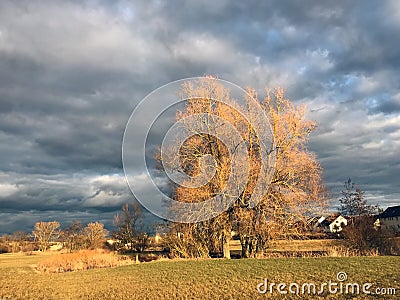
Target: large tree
(296,188)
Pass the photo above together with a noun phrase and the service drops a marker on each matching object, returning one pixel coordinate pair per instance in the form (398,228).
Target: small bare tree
(73,236)
(95,234)
(46,232)
(19,241)
(360,234)
(130,231)
(353,202)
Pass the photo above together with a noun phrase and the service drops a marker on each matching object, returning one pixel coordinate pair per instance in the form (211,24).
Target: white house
(338,224)
(56,246)
(334,223)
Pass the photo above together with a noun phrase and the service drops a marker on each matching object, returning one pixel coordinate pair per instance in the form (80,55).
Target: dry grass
(297,245)
(306,245)
(301,248)
(194,279)
(82,260)
(307,248)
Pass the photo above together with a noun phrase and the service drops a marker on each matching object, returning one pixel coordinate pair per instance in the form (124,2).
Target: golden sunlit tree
(95,235)
(45,233)
(296,190)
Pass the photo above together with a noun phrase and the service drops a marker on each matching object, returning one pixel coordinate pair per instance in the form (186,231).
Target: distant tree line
(74,236)
(129,234)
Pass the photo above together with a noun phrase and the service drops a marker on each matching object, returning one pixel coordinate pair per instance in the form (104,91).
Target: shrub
(82,260)
(4,248)
(152,257)
(363,239)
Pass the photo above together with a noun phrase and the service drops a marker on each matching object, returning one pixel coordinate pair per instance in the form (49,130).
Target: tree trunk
(137,258)
(244,242)
(249,246)
(225,247)
(253,247)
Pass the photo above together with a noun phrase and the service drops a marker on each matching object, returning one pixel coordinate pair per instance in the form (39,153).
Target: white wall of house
(390,223)
(337,224)
(55,247)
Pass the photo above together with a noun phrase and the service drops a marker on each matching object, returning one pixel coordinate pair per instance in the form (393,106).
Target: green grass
(194,279)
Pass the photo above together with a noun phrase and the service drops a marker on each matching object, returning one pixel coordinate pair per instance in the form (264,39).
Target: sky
(71,73)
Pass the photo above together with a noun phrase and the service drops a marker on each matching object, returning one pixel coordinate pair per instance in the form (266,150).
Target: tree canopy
(295,189)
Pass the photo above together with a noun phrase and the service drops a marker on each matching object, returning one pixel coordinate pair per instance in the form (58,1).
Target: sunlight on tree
(296,190)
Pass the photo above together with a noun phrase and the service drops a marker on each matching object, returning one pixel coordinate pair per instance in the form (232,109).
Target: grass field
(195,279)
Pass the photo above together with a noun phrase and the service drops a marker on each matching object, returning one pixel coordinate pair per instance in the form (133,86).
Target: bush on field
(4,248)
(362,238)
(82,260)
(152,257)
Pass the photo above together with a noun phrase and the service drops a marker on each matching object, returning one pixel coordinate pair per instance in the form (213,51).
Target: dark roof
(327,220)
(333,217)
(325,223)
(393,211)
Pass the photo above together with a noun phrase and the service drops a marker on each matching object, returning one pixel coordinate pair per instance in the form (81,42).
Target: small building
(112,242)
(56,246)
(318,224)
(389,219)
(332,224)
(338,224)
(157,238)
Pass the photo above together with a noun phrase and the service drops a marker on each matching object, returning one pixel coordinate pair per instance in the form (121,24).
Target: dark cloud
(388,106)
(71,73)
